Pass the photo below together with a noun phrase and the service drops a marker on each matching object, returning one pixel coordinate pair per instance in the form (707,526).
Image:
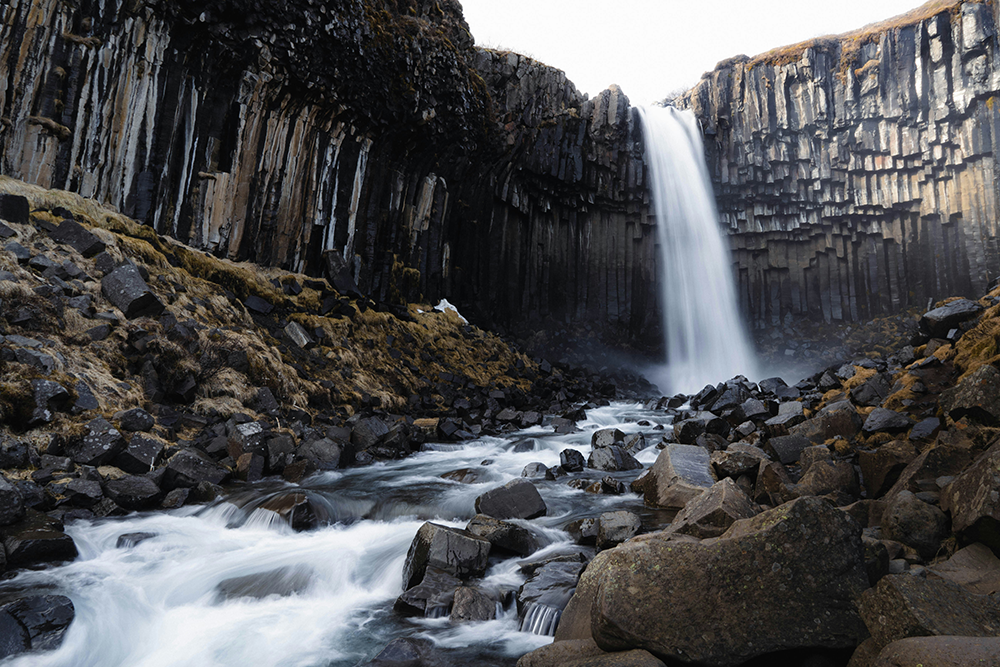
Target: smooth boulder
(680,474)
(517,499)
(714,511)
(787,578)
(457,552)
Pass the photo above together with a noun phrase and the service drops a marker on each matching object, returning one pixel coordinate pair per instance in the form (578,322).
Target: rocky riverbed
(188,438)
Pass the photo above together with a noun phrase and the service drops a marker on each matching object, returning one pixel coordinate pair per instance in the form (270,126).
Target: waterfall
(704,336)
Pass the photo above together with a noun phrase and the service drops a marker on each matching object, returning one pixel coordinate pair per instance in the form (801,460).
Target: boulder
(45,618)
(135,419)
(789,414)
(882,420)
(407,651)
(37,539)
(472,604)
(78,237)
(973,499)
(127,291)
(537,471)
(838,478)
(13,636)
(583,531)
(140,456)
(517,499)
(872,392)
(934,463)
(50,397)
(902,606)
(432,597)
(585,653)
(680,474)
(504,535)
(881,468)
(915,523)
(786,448)
(613,528)
(133,492)
(542,598)
(688,430)
(457,552)
(606,437)
(941,652)
(324,453)
(773,485)
(975,568)
(725,602)
(976,397)
(714,511)
(738,459)
(938,322)
(368,432)
(837,419)
(571,460)
(15,208)
(612,459)
(99,446)
(83,492)
(189,467)
(11,503)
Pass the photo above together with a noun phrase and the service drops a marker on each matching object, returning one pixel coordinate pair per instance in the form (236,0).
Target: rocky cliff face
(857,175)
(368,132)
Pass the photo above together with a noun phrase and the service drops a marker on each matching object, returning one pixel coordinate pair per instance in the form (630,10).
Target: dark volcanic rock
(915,523)
(542,598)
(13,636)
(973,499)
(45,618)
(472,604)
(99,446)
(135,419)
(882,467)
(888,421)
(571,460)
(612,459)
(50,397)
(786,448)
(938,322)
(15,208)
(680,474)
(140,456)
(457,552)
(613,528)
(11,503)
(76,236)
(737,598)
(125,288)
(133,492)
(504,534)
(188,468)
(37,539)
(714,511)
(941,652)
(517,499)
(902,605)
(585,653)
(977,396)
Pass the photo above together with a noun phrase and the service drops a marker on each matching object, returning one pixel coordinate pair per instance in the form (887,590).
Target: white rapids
(704,335)
(221,586)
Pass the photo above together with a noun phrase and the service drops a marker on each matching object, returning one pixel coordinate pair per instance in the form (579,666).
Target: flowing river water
(227,584)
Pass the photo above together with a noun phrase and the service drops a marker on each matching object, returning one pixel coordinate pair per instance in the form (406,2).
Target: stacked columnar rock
(856,175)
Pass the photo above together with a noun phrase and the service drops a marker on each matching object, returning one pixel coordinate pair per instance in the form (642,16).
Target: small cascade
(704,335)
(541,619)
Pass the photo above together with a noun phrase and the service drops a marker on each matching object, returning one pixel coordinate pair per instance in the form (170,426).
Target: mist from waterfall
(704,335)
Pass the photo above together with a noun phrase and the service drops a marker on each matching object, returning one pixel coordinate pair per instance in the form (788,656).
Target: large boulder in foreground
(785,579)
(941,652)
(938,322)
(585,653)
(976,397)
(973,499)
(681,473)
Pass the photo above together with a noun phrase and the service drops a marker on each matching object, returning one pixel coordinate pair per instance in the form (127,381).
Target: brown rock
(585,653)
(973,499)
(882,467)
(941,652)
(714,511)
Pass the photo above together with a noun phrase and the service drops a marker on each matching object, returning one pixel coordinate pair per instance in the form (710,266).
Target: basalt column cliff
(367,134)
(857,174)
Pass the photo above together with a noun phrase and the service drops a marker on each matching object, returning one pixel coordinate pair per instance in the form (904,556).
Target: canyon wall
(857,175)
(369,133)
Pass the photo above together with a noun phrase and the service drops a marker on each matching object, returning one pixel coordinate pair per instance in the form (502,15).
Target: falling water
(703,334)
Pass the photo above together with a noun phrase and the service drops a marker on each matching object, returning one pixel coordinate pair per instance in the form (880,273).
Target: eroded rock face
(726,601)
(836,165)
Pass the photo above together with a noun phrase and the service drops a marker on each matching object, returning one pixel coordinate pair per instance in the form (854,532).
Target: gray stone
(324,453)
(585,653)
(786,448)
(881,468)
(612,459)
(188,468)
(743,596)
(613,528)
(738,459)
(133,492)
(976,397)
(517,499)
(571,460)
(680,474)
(76,236)
(915,523)
(99,446)
(11,504)
(882,420)
(472,604)
(837,419)
(537,471)
(140,456)
(457,552)
(973,499)
(50,397)
(45,618)
(941,652)
(902,606)
(938,322)
(368,432)
(714,511)
(298,336)
(504,535)
(823,478)
(135,419)
(125,288)
(975,568)
(606,437)
(83,492)
(37,539)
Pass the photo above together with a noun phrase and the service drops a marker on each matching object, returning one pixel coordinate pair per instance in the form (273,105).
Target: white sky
(652,48)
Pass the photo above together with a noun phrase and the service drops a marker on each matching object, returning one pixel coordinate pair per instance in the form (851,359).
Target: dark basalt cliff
(370,130)
(857,174)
